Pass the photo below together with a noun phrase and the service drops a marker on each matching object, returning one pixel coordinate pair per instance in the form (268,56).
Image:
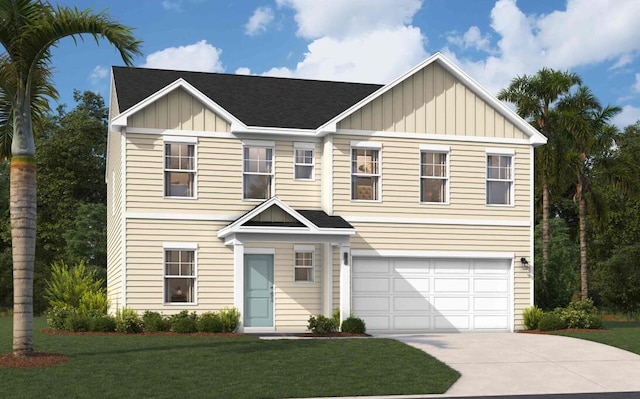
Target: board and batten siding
(432,101)
(114,222)
(178,110)
(218,178)
(294,301)
(145,268)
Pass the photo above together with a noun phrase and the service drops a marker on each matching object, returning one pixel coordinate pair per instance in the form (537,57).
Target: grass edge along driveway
(620,334)
(243,367)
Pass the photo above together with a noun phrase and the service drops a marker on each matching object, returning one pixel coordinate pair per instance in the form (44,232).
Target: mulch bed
(51,331)
(35,361)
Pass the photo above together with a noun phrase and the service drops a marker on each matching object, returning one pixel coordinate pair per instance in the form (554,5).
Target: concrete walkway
(515,363)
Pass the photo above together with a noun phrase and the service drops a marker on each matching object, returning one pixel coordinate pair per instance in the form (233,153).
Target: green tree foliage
(72,286)
(562,270)
(617,280)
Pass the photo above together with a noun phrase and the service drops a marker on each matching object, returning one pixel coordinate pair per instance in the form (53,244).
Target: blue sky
(371,41)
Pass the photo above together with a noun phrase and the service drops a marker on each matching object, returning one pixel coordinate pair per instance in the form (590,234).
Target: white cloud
(625,59)
(200,56)
(98,74)
(636,85)
(176,5)
(243,71)
(629,116)
(259,21)
(473,38)
(341,19)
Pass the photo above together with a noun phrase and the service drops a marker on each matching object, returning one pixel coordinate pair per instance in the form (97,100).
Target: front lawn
(623,335)
(218,367)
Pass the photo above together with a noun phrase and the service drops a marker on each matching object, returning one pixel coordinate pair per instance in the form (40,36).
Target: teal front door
(258,290)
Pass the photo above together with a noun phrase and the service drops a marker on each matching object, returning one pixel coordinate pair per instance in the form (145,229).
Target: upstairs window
(365,174)
(499,179)
(434,176)
(303,161)
(257,172)
(179,169)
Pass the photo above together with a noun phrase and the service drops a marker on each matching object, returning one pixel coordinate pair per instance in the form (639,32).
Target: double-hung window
(179,169)
(499,177)
(434,174)
(303,161)
(180,274)
(304,263)
(257,175)
(365,171)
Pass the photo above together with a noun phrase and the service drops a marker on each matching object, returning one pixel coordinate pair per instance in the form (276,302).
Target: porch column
(327,279)
(238,279)
(345,281)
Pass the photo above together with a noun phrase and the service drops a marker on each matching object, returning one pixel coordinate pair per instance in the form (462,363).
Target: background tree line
(72,196)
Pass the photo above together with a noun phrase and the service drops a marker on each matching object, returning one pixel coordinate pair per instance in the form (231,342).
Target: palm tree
(534,97)
(586,123)
(28,30)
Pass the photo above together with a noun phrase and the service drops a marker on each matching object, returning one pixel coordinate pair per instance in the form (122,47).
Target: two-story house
(408,205)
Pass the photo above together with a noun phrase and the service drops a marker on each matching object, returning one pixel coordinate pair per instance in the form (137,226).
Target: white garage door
(413,295)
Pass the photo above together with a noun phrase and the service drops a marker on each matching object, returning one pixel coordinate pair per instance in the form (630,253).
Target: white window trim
(305,249)
(180,140)
(179,246)
(500,152)
(366,145)
(266,145)
(305,147)
(439,149)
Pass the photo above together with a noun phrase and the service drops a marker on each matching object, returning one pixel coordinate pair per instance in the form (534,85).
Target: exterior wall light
(525,263)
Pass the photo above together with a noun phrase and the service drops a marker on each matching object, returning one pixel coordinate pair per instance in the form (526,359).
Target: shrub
(68,285)
(550,321)
(581,314)
(230,318)
(102,323)
(353,325)
(128,321)
(76,322)
(335,315)
(184,322)
(155,322)
(209,322)
(94,303)
(531,317)
(320,324)
(57,315)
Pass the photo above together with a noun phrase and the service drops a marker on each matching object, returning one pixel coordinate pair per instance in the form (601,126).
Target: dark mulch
(35,361)
(51,331)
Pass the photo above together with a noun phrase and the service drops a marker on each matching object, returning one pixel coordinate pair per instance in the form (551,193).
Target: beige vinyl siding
(114,223)
(432,101)
(400,174)
(294,301)
(218,177)
(423,237)
(180,111)
(336,277)
(145,269)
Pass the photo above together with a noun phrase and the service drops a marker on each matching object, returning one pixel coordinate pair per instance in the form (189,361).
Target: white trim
(531,227)
(181,133)
(303,248)
(180,216)
(430,136)
(512,294)
(259,143)
(180,139)
(123,219)
(262,130)
(327,279)
(259,330)
(376,145)
(304,147)
(345,281)
(535,137)
(455,222)
(260,251)
(326,177)
(166,276)
(500,151)
(180,245)
(238,279)
(365,253)
(512,178)
(435,148)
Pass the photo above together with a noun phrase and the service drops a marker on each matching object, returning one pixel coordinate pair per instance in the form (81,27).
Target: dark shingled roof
(254,100)
(323,220)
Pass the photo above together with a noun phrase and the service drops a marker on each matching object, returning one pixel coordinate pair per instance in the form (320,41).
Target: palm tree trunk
(23,206)
(545,231)
(582,215)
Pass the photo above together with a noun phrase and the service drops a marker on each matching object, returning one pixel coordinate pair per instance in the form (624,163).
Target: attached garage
(431,295)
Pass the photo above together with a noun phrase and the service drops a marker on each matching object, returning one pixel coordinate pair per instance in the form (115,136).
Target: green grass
(217,367)
(623,335)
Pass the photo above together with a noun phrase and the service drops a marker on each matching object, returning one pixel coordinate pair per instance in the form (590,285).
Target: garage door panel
(374,266)
(451,322)
(411,285)
(491,322)
(411,323)
(405,304)
(377,323)
(451,304)
(368,285)
(451,266)
(488,267)
(415,267)
(372,304)
(491,285)
(490,304)
(451,285)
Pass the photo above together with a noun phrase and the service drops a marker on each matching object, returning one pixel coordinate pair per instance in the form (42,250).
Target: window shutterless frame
(500,167)
(258,172)
(180,274)
(434,174)
(304,161)
(180,167)
(304,264)
(366,171)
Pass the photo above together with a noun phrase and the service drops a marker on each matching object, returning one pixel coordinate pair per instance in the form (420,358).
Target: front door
(258,290)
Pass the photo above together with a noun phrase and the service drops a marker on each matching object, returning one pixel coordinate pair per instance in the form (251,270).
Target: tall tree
(28,30)
(534,97)
(592,137)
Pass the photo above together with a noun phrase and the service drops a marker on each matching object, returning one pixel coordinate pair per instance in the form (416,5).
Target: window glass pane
(303,274)
(364,188)
(257,186)
(498,192)
(433,190)
(179,184)
(179,289)
(304,172)
(364,161)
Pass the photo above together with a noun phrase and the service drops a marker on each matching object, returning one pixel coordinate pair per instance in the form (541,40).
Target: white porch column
(345,281)
(238,279)
(327,279)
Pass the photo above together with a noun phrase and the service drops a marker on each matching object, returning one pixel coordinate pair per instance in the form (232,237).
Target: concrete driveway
(515,363)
